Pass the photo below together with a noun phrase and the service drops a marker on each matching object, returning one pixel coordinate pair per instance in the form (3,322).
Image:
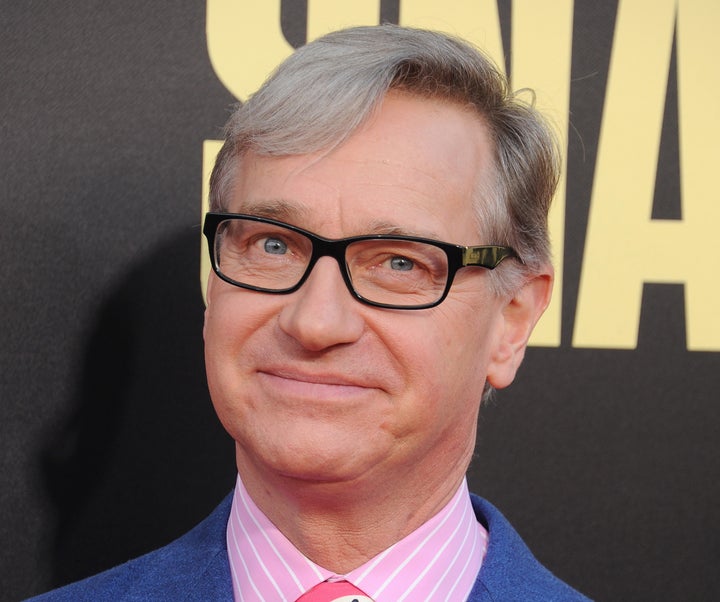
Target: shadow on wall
(142,457)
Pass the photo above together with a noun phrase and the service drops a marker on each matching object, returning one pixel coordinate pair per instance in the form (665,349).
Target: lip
(314,378)
(319,386)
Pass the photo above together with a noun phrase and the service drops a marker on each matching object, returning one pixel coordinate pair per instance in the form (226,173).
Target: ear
(208,298)
(519,316)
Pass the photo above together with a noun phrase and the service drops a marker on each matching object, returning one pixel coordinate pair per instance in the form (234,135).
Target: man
(378,234)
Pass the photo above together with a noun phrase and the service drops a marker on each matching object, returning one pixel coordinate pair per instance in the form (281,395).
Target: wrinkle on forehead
(300,215)
(353,182)
(410,170)
(279,209)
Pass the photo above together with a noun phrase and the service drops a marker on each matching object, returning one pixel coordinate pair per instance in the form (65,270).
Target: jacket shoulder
(510,572)
(193,567)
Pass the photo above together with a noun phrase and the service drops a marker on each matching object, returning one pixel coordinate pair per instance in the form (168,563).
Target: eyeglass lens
(382,270)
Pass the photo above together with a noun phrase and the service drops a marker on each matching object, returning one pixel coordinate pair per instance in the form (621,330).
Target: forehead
(416,163)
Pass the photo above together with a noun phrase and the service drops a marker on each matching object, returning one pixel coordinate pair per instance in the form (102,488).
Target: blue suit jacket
(196,567)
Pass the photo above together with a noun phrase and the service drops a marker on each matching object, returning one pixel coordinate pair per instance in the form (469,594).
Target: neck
(342,525)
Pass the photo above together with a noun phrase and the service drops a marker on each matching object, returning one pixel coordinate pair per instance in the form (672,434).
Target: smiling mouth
(314,387)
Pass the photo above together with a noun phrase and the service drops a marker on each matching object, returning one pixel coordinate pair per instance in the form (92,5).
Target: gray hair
(327,89)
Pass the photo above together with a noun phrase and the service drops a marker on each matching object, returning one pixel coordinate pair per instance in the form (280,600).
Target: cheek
(218,342)
(463,345)
(234,314)
(232,319)
(228,334)
(437,415)
(464,339)
(442,365)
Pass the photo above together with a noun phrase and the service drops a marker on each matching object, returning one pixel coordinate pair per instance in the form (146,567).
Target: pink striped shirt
(438,561)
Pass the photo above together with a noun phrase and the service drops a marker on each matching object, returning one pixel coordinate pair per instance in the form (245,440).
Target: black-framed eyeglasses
(398,272)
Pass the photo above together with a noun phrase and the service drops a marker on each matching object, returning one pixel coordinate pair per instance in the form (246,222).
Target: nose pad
(323,312)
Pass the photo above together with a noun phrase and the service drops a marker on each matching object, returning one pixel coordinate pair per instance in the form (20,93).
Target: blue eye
(402,264)
(275,246)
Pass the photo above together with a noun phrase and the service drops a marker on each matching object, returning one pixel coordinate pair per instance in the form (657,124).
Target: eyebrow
(393,229)
(278,209)
(299,215)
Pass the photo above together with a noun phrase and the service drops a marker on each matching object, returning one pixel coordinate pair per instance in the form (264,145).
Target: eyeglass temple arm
(487,256)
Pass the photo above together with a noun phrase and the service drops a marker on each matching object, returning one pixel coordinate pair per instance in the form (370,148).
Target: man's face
(319,387)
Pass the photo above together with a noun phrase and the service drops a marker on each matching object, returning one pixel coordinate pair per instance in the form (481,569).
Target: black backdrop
(606,460)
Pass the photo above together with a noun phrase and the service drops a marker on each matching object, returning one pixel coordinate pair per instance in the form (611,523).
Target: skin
(353,424)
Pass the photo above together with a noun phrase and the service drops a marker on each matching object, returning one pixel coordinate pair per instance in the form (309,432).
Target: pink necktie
(334,591)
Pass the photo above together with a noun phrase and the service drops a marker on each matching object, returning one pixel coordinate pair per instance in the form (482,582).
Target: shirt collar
(438,561)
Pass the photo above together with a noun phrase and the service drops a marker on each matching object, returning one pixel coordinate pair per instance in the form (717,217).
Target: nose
(322,313)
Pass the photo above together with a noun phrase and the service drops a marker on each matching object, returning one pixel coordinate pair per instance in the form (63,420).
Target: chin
(320,463)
